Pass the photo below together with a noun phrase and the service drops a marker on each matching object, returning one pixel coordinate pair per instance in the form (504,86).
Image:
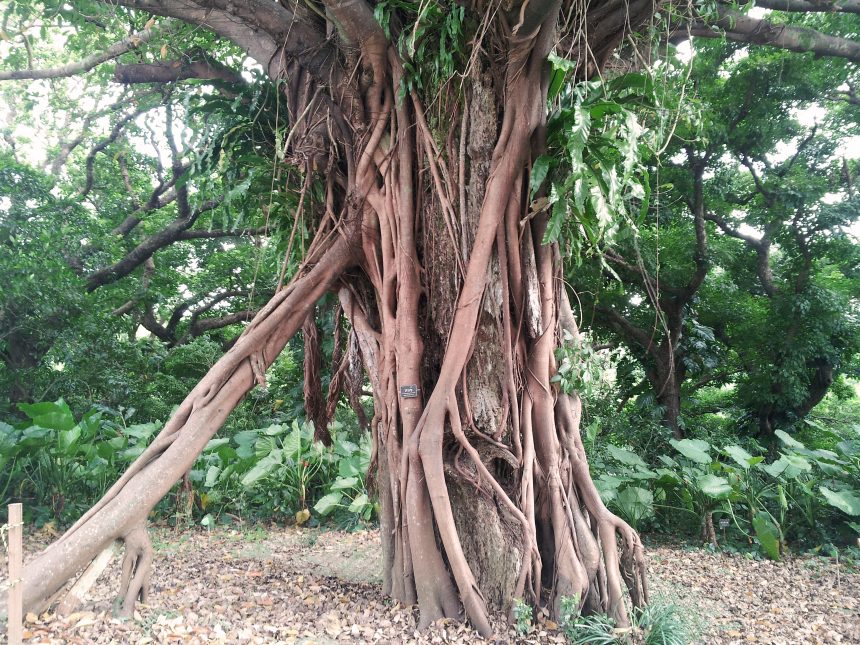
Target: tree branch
(701,255)
(633,334)
(822,6)
(175,70)
(148,247)
(760,246)
(104,143)
(82,66)
(206,235)
(738,27)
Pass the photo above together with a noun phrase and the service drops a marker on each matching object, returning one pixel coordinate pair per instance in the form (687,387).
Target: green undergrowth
(659,623)
(58,466)
(803,496)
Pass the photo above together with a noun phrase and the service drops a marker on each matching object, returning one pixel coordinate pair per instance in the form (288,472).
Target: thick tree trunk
(457,308)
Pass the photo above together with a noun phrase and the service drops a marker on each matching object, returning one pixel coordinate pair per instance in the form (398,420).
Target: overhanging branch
(175,70)
(85,65)
(738,27)
(802,6)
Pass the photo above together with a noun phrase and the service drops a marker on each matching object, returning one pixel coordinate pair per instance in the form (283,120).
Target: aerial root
(136,570)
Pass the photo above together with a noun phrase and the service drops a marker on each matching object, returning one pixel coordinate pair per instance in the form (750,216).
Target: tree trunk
(666,376)
(457,308)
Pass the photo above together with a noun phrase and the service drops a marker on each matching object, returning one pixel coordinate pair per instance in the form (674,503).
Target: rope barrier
(4,531)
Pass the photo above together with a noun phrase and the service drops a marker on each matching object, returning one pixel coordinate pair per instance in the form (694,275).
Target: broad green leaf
(626,456)
(358,503)
(265,446)
(245,441)
(768,534)
(216,443)
(635,503)
(776,468)
(741,456)
(714,486)
(847,501)
(540,169)
(693,449)
(788,440)
(274,430)
(68,438)
(797,465)
(141,431)
(212,476)
(343,483)
(291,444)
(328,503)
(54,416)
(262,468)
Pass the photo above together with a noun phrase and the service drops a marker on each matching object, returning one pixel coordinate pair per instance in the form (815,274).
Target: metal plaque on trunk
(409,392)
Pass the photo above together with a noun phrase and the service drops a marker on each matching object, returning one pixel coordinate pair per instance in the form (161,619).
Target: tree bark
(457,306)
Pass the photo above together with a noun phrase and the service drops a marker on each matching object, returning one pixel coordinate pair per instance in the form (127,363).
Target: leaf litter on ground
(297,585)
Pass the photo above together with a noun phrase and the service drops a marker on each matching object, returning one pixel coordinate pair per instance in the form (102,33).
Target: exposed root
(136,570)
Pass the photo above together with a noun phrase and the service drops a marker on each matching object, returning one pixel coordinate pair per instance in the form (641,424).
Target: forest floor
(294,585)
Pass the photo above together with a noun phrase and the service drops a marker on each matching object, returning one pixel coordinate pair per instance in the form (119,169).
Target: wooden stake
(88,578)
(16,564)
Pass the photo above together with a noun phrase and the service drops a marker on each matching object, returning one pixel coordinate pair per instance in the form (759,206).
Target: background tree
(719,286)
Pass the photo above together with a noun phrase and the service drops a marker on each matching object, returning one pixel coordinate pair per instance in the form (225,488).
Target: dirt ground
(293,585)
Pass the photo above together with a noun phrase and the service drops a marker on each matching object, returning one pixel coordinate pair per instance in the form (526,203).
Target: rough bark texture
(456,308)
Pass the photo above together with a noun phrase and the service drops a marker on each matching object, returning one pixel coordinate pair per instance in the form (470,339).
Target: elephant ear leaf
(741,456)
(768,534)
(847,501)
(626,457)
(693,449)
(713,486)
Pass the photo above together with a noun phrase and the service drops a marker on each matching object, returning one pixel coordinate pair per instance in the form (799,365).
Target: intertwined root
(136,570)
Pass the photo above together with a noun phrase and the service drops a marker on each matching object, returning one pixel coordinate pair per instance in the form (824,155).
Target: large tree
(414,128)
(742,271)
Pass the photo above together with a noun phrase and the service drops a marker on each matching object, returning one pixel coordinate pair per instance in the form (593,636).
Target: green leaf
(216,443)
(292,443)
(328,503)
(261,469)
(741,456)
(635,503)
(776,468)
(540,169)
(245,441)
(714,486)
(141,431)
(358,503)
(212,476)
(68,438)
(343,483)
(626,456)
(693,449)
(54,416)
(847,501)
(788,440)
(768,534)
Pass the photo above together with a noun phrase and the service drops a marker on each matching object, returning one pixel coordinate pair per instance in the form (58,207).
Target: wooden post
(16,564)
